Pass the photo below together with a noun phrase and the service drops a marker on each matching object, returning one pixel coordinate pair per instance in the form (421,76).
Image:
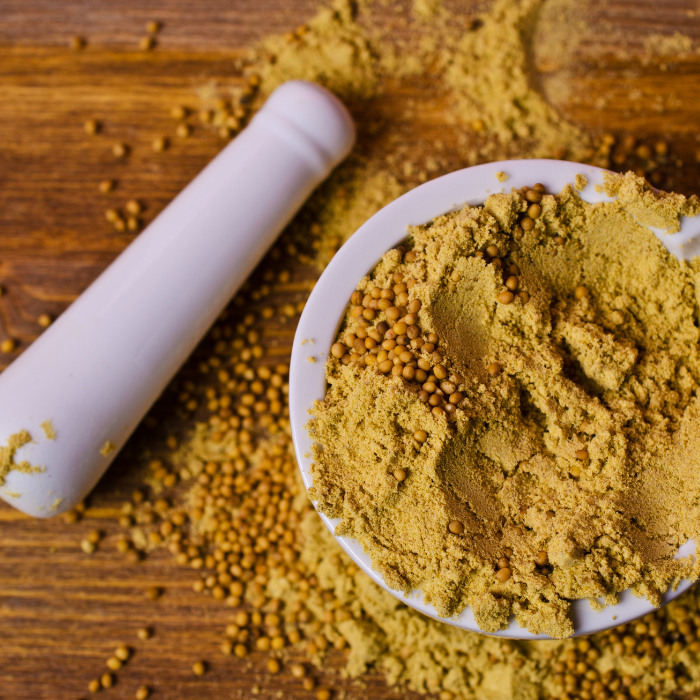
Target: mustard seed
(527,223)
(582,455)
(144,633)
(512,283)
(456,527)
(159,144)
(153,27)
(323,694)
(106,186)
(420,436)
(580,292)
(494,369)
(399,475)
(107,680)
(298,671)
(44,320)
(502,575)
(273,666)
(199,668)
(114,664)
(534,211)
(506,297)
(539,187)
(154,592)
(120,150)
(122,652)
(533,196)
(142,693)
(134,207)
(147,43)
(308,683)
(94,686)
(77,43)
(91,127)
(542,558)
(183,130)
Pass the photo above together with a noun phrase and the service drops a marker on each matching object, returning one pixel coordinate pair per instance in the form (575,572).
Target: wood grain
(62,612)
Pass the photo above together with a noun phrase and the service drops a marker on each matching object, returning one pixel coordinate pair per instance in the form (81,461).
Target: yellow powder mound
(566,462)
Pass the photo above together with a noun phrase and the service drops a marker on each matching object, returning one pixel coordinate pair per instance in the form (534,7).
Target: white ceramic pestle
(329,299)
(95,372)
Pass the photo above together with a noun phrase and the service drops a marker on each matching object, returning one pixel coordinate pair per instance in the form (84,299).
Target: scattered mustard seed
(160,144)
(91,127)
(120,150)
(154,592)
(7,346)
(147,43)
(183,130)
(122,652)
(133,206)
(199,668)
(106,186)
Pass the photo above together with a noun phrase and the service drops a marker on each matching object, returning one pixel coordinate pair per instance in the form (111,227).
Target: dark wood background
(61,612)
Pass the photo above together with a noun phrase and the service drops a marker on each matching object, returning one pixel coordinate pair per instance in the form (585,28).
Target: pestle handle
(97,370)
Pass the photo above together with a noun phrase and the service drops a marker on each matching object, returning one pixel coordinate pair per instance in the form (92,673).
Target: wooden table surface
(61,612)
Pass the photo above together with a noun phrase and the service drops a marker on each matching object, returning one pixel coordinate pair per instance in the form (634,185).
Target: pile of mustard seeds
(221,490)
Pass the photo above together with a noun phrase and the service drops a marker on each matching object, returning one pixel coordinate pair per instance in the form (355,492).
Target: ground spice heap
(511,419)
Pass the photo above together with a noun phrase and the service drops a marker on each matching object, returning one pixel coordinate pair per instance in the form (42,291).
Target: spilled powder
(583,446)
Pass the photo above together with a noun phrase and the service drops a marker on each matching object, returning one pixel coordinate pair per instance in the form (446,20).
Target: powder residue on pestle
(49,430)
(569,466)
(7,456)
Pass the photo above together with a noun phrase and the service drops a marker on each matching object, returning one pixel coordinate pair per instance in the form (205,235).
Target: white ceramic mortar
(316,333)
